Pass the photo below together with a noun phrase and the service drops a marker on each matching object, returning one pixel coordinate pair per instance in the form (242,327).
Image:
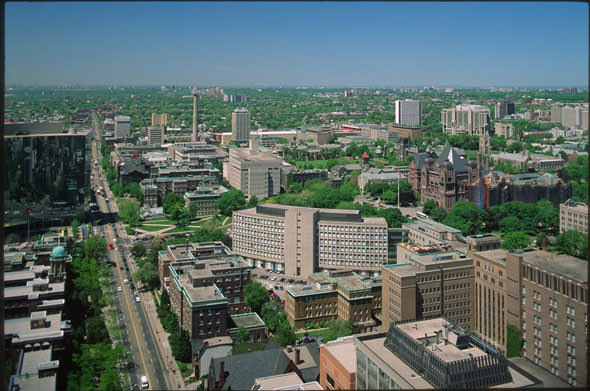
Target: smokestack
(195,137)
(221,375)
(297,356)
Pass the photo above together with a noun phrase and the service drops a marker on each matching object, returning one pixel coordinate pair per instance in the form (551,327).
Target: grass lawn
(246,347)
(152,228)
(322,163)
(312,333)
(159,221)
(185,368)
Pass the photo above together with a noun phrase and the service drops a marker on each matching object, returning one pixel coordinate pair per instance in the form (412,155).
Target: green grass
(129,231)
(246,347)
(152,228)
(159,221)
(326,163)
(514,342)
(312,333)
(185,368)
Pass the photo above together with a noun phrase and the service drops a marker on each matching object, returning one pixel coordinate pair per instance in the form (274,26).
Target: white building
(122,126)
(408,112)
(240,125)
(573,216)
(473,120)
(155,135)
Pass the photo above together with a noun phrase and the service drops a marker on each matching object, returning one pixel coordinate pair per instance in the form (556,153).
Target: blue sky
(328,43)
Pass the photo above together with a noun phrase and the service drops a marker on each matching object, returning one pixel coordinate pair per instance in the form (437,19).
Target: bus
(422,215)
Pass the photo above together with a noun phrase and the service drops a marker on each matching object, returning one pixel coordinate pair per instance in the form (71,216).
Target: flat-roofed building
(502,109)
(286,381)
(205,198)
(473,120)
(335,295)
(482,242)
(299,241)
(408,112)
(506,130)
(338,364)
(427,281)
(432,353)
(547,299)
(155,135)
(254,171)
(573,216)
(159,119)
(122,126)
(240,125)
(426,232)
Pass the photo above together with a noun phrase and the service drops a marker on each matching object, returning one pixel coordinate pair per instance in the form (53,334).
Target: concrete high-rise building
(408,112)
(301,241)
(122,126)
(573,216)
(254,171)
(155,135)
(468,119)
(240,125)
(503,108)
(195,134)
(547,299)
(556,109)
(159,119)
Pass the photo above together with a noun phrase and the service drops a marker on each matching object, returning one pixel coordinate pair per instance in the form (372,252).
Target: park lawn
(152,228)
(159,221)
(312,333)
(323,163)
(246,347)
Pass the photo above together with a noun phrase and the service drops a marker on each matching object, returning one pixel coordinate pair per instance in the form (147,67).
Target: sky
(336,44)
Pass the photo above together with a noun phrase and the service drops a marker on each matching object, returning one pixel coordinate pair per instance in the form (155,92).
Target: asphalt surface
(147,357)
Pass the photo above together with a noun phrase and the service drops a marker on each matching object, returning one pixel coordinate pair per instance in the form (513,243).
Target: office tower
(240,126)
(502,109)
(473,120)
(300,241)
(195,136)
(573,216)
(408,112)
(155,135)
(159,119)
(254,171)
(547,299)
(122,126)
(556,111)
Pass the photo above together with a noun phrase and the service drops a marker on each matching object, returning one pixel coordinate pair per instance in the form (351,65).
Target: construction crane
(195,96)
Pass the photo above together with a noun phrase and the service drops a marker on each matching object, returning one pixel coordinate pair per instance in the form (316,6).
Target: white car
(125,281)
(144,382)
(119,289)
(137,298)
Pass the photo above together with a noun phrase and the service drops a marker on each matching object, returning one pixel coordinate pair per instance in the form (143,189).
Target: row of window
(558,284)
(257,220)
(340,228)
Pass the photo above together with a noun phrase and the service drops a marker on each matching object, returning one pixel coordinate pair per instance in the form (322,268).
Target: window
(330,380)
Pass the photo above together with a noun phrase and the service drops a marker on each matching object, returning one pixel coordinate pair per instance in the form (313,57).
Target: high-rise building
(427,281)
(556,109)
(122,126)
(155,135)
(573,216)
(503,108)
(254,171)
(506,130)
(408,112)
(159,119)
(547,299)
(468,119)
(240,125)
(300,241)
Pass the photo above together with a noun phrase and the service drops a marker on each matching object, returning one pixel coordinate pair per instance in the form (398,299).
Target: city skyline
(297,44)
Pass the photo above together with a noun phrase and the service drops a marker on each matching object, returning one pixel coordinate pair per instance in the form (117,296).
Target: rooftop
(565,265)
(344,352)
(247,320)
(497,255)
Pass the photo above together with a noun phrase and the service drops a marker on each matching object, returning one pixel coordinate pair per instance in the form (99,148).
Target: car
(137,299)
(119,289)
(144,383)
(125,281)
(274,279)
(122,249)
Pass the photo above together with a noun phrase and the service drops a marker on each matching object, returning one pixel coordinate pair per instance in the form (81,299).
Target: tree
(95,247)
(438,214)
(510,224)
(193,209)
(573,243)
(514,341)
(147,273)
(429,206)
(134,190)
(273,315)
(180,343)
(515,240)
(256,295)
(109,380)
(252,202)
(75,228)
(285,334)
(466,217)
(96,331)
(128,210)
(242,335)
(138,250)
(547,217)
(230,201)
(177,212)
(170,200)
(515,147)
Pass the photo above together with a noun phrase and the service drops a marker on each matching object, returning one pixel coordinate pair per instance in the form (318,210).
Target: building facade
(573,216)
(408,112)
(122,126)
(254,171)
(240,126)
(300,241)
(335,295)
(473,120)
(155,135)
(205,198)
(338,364)
(159,119)
(502,109)
(506,130)
(547,299)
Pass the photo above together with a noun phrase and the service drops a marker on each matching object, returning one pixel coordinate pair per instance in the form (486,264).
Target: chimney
(297,356)
(544,243)
(221,375)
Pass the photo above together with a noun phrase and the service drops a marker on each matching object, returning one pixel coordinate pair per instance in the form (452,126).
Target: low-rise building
(427,232)
(342,295)
(338,364)
(287,381)
(387,175)
(573,216)
(205,197)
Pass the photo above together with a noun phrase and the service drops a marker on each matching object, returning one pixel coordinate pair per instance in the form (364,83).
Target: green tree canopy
(134,190)
(429,206)
(242,335)
(466,217)
(515,240)
(128,210)
(95,247)
(230,201)
(256,295)
(285,334)
(573,243)
(170,200)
